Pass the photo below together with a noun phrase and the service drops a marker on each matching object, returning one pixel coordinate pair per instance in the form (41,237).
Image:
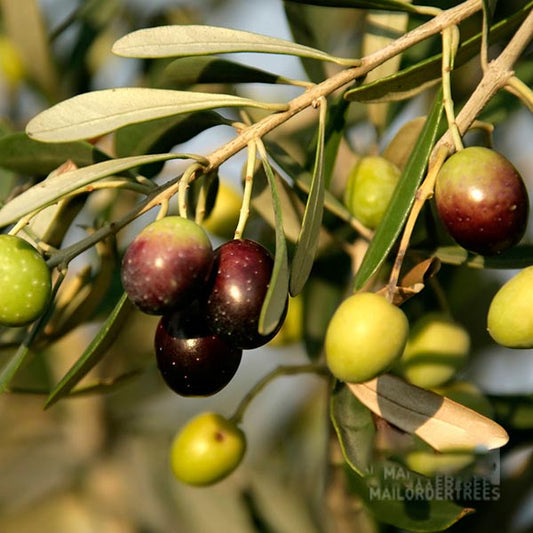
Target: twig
(497,75)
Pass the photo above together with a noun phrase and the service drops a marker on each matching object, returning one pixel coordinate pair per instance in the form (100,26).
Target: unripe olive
(224,216)
(430,463)
(25,282)
(370,186)
(207,449)
(436,349)
(365,336)
(510,316)
(291,330)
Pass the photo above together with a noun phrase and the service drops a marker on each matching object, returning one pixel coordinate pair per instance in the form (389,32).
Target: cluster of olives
(209,301)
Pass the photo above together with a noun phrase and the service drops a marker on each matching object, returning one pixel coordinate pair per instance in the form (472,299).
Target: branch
(496,77)
(448,18)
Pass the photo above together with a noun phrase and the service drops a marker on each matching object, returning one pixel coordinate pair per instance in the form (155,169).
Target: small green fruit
(291,330)
(370,186)
(365,336)
(206,450)
(25,282)
(436,349)
(510,316)
(224,216)
(430,463)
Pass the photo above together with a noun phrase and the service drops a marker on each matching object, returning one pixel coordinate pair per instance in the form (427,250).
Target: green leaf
(27,156)
(355,429)
(303,179)
(276,296)
(389,5)
(96,113)
(403,198)
(426,73)
(304,31)
(307,243)
(94,352)
(193,40)
(192,70)
(162,134)
(385,493)
(516,258)
(57,186)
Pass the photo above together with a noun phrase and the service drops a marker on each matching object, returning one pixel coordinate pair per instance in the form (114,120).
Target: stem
(497,76)
(282,370)
(450,43)
(247,193)
(424,192)
(517,87)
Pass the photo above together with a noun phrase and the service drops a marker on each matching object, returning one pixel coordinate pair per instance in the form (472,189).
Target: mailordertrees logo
(478,482)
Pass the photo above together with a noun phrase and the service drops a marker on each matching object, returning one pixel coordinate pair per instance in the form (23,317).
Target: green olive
(364,338)
(436,349)
(510,320)
(291,329)
(207,449)
(370,186)
(25,282)
(224,216)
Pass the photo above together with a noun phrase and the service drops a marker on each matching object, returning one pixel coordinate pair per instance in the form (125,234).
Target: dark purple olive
(166,265)
(482,200)
(236,292)
(192,360)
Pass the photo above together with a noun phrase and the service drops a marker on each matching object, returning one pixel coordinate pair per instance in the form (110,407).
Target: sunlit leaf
(94,352)
(442,423)
(276,296)
(192,40)
(27,156)
(307,243)
(96,113)
(390,226)
(52,189)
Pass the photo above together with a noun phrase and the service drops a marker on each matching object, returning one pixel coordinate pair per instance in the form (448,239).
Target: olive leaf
(389,5)
(276,296)
(58,186)
(193,40)
(96,113)
(307,242)
(442,423)
(94,352)
(208,69)
(27,156)
(403,197)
